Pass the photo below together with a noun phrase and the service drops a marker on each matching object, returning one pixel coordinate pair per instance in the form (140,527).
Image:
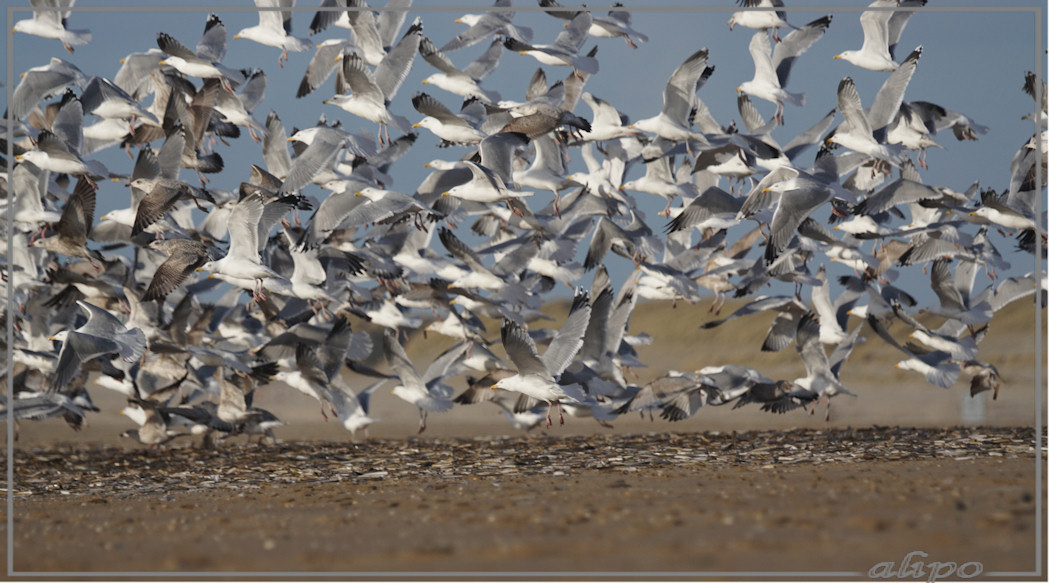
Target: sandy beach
(713,503)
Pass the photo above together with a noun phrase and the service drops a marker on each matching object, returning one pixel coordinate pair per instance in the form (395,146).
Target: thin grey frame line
(1039,52)
(425,575)
(456,8)
(1037,340)
(9,326)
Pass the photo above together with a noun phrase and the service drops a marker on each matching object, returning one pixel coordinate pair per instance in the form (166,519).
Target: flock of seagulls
(218,281)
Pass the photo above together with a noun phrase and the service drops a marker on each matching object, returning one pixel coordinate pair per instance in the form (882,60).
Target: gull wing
(188,256)
(390,20)
(795,44)
(172,47)
(521,349)
(480,67)
(398,360)
(594,341)
(572,37)
(360,79)
(898,21)
(427,105)
(569,338)
(244,228)
(875,25)
(212,45)
(394,68)
(760,50)
(887,102)
(275,20)
(461,251)
(275,146)
(437,59)
(321,66)
(78,213)
(310,365)
(680,91)
(852,109)
(807,342)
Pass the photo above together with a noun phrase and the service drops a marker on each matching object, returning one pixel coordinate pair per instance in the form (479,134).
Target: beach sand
(708,503)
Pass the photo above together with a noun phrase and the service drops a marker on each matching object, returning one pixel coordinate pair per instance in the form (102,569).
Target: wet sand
(706,503)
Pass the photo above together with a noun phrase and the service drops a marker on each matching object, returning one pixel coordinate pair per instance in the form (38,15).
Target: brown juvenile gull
(154,429)
(184,256)
(73,228)
(161,196)
(536,119)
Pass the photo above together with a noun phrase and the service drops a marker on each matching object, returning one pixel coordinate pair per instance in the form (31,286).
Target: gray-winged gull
(679,97)
(197,65)
(481,26)
(821,373)
(860,137)
(242,261)
(444,124)
(427,394)
(760,19)
(105,99)
(371,92)
(43,81)
(564,51)
(881,31)
(52,153)
(463,82)
(536,377)
(772,71)
(102,334)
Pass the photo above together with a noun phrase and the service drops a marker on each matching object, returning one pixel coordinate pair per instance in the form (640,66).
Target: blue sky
(973,61)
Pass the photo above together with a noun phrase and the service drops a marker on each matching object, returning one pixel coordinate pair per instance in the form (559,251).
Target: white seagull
(537,377)
(274,29)
(51,23)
